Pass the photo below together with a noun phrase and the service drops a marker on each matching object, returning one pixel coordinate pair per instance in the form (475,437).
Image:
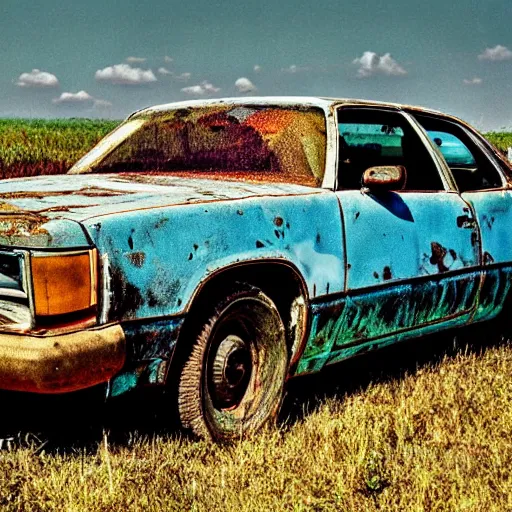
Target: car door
(484,186)
(412,259)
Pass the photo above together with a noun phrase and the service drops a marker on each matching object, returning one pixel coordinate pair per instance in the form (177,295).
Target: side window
(470,166)
(370,137)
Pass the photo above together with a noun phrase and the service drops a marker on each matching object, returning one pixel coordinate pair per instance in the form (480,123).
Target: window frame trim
(440,164)
(474,138)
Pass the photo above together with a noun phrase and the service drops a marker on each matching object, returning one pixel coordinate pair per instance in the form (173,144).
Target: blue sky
(107,58)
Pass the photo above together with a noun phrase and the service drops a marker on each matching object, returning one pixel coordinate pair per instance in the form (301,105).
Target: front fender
(154,260)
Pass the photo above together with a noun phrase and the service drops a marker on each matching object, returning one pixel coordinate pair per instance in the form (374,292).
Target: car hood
(80,197)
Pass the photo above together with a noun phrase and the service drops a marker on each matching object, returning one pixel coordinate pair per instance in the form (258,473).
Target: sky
(107,58)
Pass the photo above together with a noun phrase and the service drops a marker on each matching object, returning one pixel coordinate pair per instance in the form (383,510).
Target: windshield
(251,143)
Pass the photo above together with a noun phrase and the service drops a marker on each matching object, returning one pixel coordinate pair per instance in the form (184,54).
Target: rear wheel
(232,382)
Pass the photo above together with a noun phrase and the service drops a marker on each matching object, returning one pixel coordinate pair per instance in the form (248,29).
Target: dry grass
(418,427)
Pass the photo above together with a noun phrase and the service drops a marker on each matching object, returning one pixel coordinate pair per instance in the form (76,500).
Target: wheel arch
(279,279)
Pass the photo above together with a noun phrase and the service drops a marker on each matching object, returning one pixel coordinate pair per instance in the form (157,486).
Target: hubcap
(231,371)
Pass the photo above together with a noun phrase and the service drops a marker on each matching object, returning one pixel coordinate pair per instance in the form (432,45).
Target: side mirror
(385,177)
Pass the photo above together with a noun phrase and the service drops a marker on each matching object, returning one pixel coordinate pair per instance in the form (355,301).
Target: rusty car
(218,248)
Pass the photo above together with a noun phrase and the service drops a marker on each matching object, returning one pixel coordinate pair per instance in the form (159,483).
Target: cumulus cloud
(168,59)
(499,52)
(125,74)
(244,85)
(473,81)
(202,89)
(256,68)
(136,60)
(78,97)
(164,71)
(370,63)
(37,78)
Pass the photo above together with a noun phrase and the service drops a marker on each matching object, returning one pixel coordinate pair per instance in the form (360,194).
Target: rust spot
(438,254)
(488,259)
(489,221)
(87,192)
(278,221)
(161,223)
(127,297)
(386,274)
(137,258)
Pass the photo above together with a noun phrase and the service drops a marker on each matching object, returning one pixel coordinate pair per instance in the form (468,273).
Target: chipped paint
(364,318)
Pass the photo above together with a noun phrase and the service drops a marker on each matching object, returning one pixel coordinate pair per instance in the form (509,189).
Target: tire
(232,382)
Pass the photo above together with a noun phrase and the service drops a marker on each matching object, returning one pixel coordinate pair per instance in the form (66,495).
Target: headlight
(64,282)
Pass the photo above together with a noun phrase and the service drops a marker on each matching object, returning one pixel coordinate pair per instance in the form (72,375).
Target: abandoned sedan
(221,247)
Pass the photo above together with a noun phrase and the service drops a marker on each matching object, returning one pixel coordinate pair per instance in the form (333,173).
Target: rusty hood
(46,211)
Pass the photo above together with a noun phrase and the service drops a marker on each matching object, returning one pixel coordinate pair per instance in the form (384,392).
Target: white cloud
(78,97)
(244,85)
(200,90)
(125,74)
(473,81)
(136,60)
(256,68)
(37,78)
(499,52)
(164,71)
(371,64)
(102,104)
(168,59)
(183,76)
(294,69)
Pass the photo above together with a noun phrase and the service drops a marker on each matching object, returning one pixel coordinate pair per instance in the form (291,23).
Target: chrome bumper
(61,363)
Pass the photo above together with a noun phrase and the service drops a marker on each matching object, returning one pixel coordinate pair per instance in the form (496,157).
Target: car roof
(312,101)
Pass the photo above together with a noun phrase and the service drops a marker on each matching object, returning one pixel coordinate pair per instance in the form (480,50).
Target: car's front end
(49,338)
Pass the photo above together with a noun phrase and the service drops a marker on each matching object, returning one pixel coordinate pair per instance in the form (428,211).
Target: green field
(33,147)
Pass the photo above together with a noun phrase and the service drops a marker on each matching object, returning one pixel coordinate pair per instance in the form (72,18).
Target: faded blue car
(221,247)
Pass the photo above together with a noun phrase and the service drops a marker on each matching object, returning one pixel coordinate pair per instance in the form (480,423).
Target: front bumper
(61,363)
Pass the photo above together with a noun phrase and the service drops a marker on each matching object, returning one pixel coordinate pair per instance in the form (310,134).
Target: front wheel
(232,382)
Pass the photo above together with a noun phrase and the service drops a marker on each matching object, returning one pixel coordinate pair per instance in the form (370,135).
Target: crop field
(420,426)
(33,147)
